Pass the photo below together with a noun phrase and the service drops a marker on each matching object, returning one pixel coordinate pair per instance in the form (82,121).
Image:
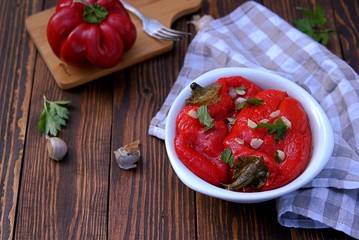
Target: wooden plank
(226,220)
(288,11)
(149,202)
(346,16)
(291,13)
(16,70)
(146,47)
(67,199)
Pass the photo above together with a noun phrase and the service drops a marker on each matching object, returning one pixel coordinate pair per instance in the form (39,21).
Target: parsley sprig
(53,117)
(228,157)
(204,117)
(313,24)
(250,101)
(278,128)
(240,88)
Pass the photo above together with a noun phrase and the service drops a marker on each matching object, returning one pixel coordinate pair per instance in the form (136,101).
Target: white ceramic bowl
(322,146)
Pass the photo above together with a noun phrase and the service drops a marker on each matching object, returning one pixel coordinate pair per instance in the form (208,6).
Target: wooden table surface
(87,196)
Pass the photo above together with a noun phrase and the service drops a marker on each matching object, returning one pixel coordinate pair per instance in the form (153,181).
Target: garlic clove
(275,114)
(256,143)
(128,155)
(192,113)
(251,124)
(56,148)
(201,22)
(286,122)
(239,141)
(280,154)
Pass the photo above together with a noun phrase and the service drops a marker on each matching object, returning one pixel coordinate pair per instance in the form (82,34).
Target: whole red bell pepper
(91,32)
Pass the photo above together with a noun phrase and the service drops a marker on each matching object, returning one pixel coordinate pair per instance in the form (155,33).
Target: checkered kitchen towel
(252,36)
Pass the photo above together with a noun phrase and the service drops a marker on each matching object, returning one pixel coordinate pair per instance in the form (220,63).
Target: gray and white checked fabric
(252,36)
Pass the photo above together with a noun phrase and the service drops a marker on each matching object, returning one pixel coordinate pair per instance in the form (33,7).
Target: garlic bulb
(128,155)
(201,22)
(56,148)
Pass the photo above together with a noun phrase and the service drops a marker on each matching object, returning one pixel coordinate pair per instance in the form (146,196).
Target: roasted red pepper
(200,150)
(269,143)
(221,96)
(91,32)
(286,150)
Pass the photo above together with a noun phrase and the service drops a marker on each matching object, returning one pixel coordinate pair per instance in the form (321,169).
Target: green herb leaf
(204,117)
(313,24)
(241,88)
(319,16)
(251,101)
(278,128)
(228,157)
(233,121)
(53,117)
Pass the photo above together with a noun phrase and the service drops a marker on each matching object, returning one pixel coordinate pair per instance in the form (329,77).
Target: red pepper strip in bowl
(246,132)
(200,149)
(296,144)
(220,102)
(92,32)
(281,127)
(249,88)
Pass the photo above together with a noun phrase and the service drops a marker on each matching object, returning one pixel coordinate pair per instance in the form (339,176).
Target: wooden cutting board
(165,11)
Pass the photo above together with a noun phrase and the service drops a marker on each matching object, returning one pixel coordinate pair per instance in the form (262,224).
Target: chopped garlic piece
(280,154)
(192,113)
(251,124)
(239,140)
(201,22)
(230,119)
(264,120)
(239,101)
(240,92)
(256,143)
(232,92)
(286,122)
(275,114)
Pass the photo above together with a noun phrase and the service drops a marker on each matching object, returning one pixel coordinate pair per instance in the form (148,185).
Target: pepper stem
(250,171)
(204,95)
(93,13)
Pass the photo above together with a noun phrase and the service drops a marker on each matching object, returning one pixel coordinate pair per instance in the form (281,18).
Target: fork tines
(170,34)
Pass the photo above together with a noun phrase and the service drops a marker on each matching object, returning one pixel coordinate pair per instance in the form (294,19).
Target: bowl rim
(322,135)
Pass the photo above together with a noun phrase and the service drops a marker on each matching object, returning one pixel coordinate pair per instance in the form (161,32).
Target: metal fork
(154,28)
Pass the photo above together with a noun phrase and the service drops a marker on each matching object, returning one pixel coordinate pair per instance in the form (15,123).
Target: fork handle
(132,9)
